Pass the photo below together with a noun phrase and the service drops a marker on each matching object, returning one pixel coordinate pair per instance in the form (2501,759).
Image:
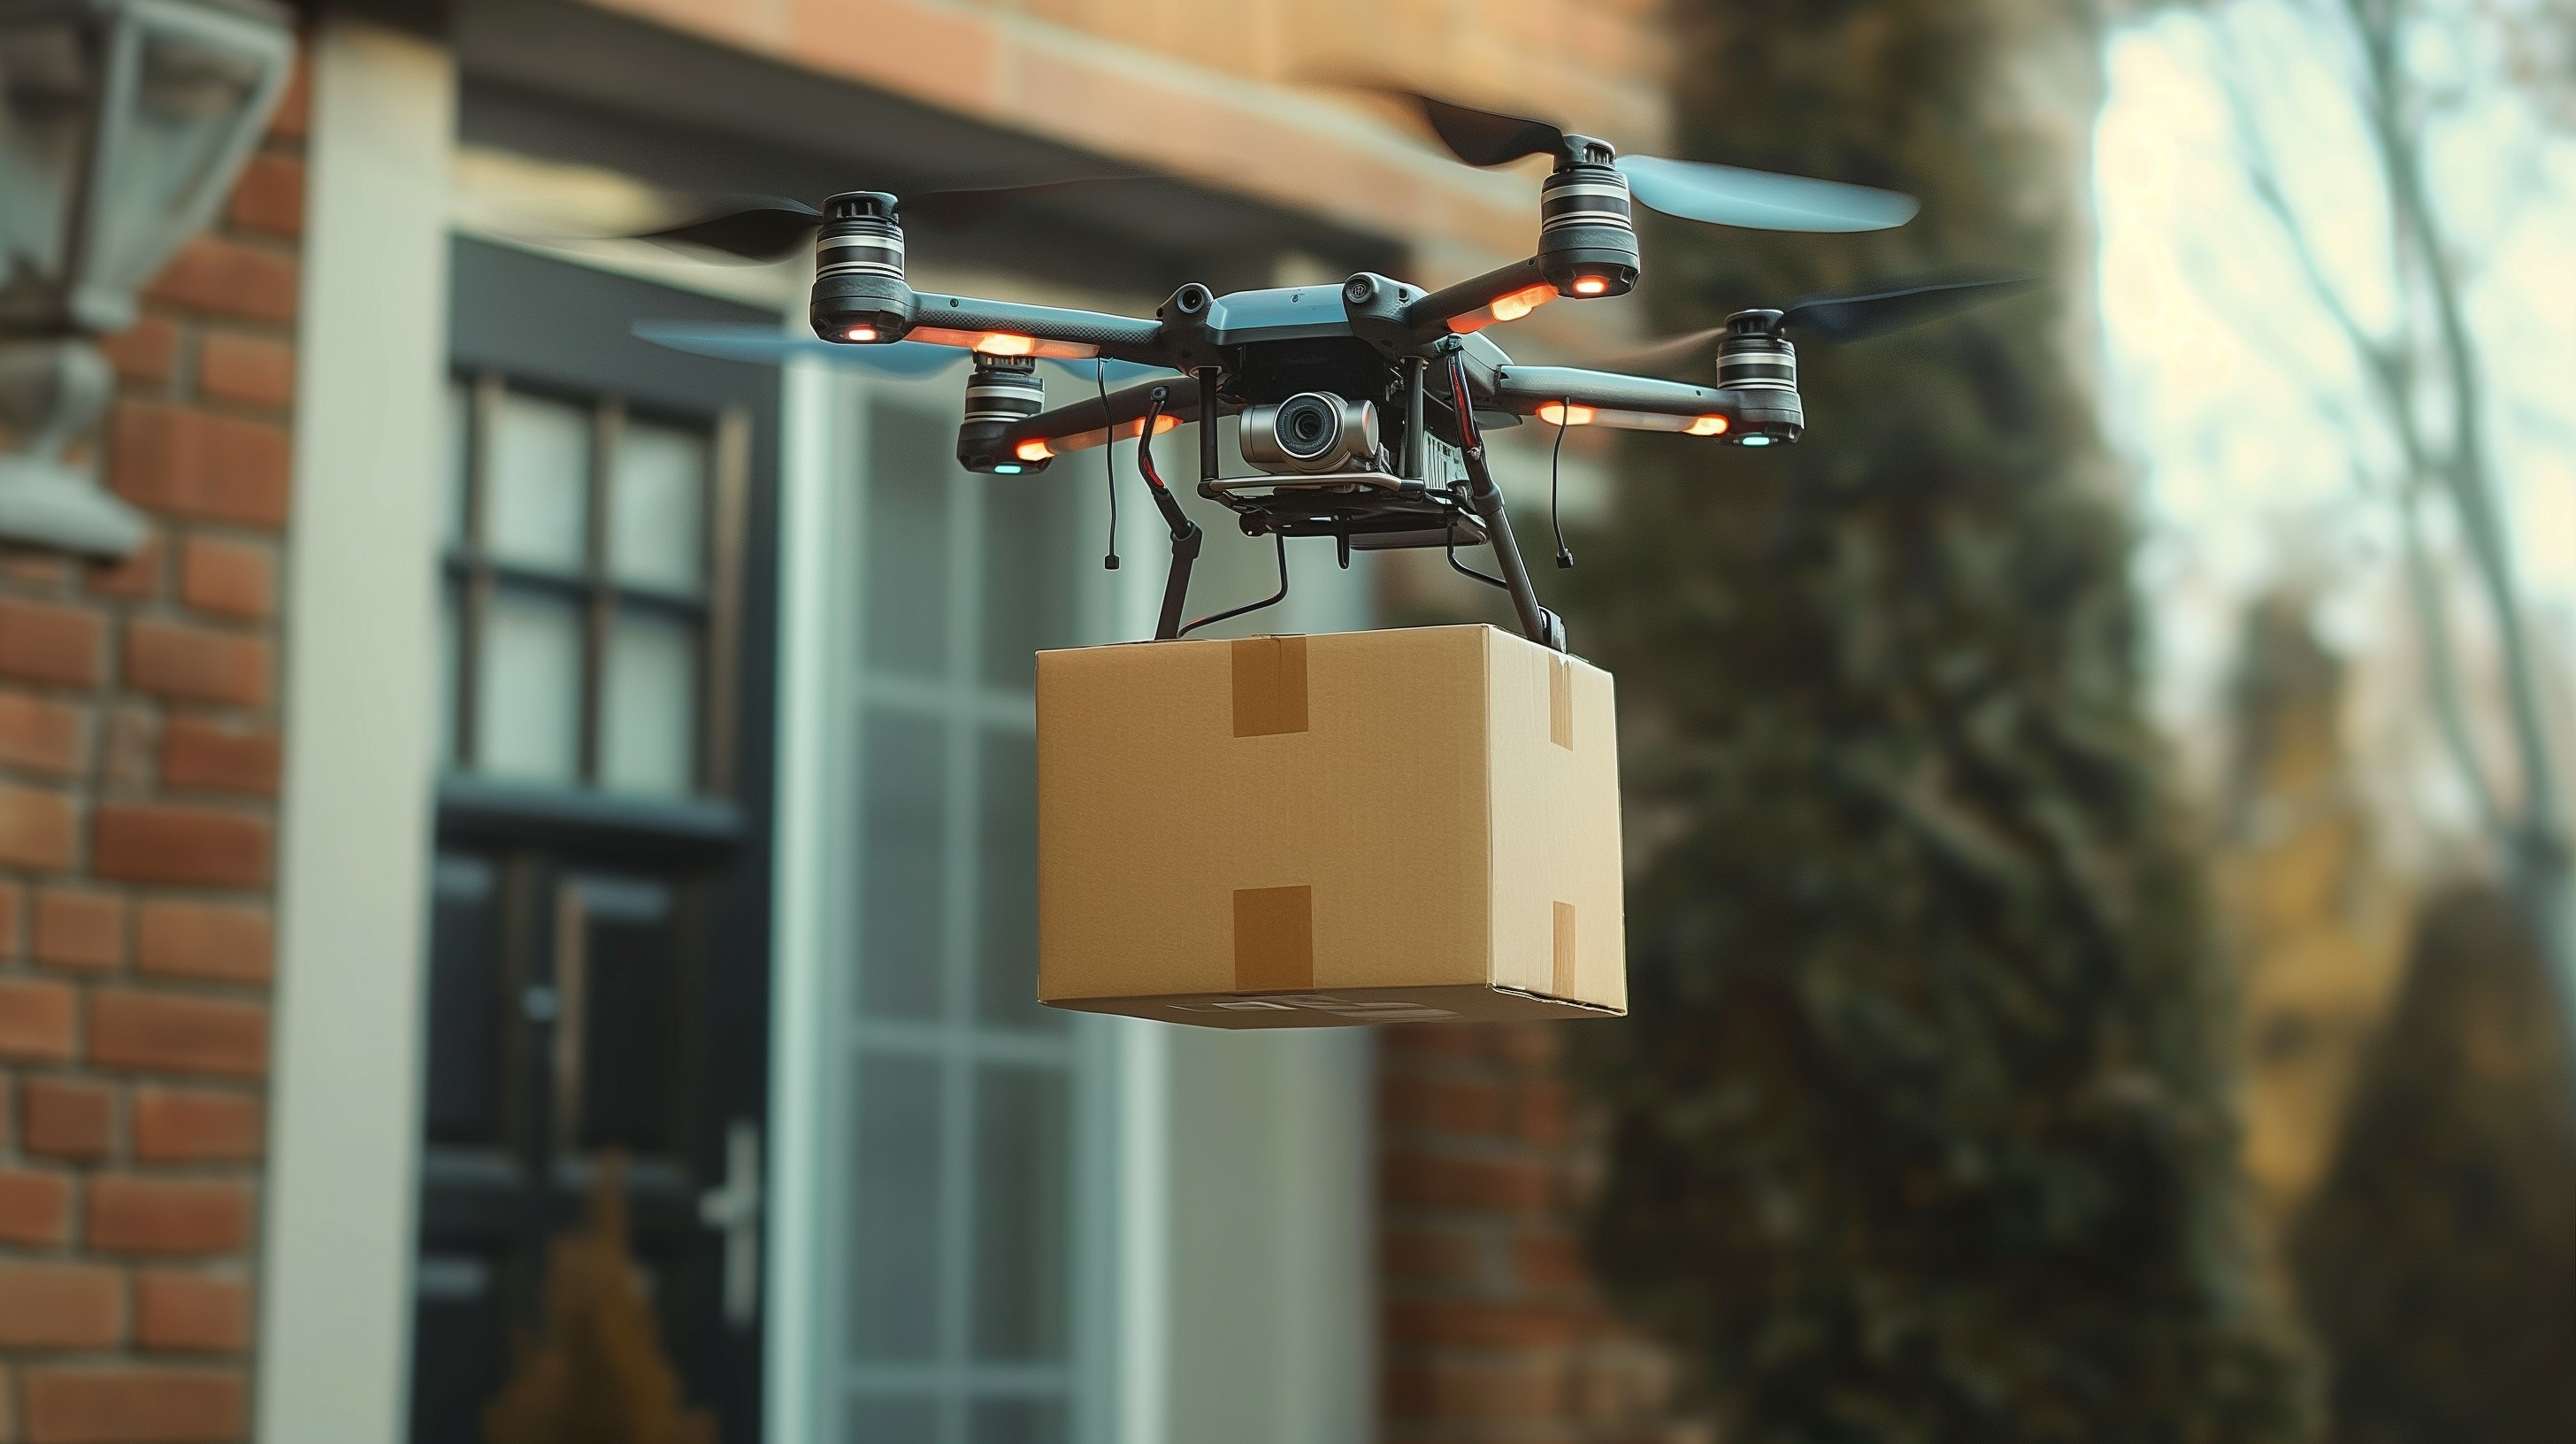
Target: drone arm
(1506,294)
(1001,326)
(1083,424)
(1636,403)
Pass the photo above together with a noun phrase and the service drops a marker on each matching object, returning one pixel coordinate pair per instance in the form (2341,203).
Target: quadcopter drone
(1361,406)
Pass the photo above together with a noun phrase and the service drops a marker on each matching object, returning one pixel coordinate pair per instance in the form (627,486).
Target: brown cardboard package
(1315,831)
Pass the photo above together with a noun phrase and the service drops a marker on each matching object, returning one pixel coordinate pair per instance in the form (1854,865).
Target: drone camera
(859,290)
(1000,392)
(1587,232)
(1311,433)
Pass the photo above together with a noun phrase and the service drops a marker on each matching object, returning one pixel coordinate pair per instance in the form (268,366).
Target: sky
(2257,455)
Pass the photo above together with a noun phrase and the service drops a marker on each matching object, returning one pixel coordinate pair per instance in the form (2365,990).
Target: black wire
(1274,599)
(1108,461)
(1145,441)
(1555,465)
(1450,535)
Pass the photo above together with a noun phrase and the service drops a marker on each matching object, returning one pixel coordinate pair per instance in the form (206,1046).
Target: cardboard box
(1318,831)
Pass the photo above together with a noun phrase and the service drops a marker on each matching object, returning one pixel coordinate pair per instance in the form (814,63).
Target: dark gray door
(599,985)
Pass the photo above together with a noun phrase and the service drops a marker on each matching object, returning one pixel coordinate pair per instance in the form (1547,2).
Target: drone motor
(1312,433)
(1000,391)
(1587,231)
(1757,361)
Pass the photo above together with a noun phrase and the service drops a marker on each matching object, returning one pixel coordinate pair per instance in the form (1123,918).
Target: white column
(360,718)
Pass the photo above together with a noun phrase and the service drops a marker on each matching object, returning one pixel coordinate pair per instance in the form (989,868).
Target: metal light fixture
(122,126)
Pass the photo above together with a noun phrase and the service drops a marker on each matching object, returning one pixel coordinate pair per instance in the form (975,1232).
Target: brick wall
(138,781)
(1492,1329)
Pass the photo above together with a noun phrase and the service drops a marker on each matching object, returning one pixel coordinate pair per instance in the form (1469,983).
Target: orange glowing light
(1563,415)
(1520,303)
(1003,343)
(1590,285)
(860,333)
(1708,426)
(1033,451)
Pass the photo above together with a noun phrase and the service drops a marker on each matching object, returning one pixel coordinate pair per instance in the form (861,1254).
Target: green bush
(1920,1130)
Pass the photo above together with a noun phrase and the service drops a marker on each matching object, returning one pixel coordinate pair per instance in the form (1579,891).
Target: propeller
(1843,318)
(771,228)
(1694,190)
(902,360)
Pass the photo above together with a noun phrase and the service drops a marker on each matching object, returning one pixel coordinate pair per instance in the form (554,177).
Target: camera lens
(1308,425)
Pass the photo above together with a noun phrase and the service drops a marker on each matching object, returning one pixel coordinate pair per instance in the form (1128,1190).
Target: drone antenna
(1108,460)
(1555,466)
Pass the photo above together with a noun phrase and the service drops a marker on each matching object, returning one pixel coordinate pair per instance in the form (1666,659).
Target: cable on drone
(1108,460)
(1555,466)
(1272,600)
(1450,535)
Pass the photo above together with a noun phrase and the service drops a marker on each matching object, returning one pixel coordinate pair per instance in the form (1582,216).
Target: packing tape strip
(1274,939)
(1561,976)
(1269,686)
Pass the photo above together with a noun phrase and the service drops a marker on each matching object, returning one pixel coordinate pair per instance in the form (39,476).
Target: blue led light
(1006,470)
(1757,441)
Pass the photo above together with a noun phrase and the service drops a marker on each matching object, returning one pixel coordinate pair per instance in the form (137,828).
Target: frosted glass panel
(536,501)
(895,1214)
(648,720)
(903,866)
(527,715)
(911,474)
(1021,1215)
(657,508)
(1017,1421)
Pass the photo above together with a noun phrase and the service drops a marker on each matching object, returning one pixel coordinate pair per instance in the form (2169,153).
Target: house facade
(534,776)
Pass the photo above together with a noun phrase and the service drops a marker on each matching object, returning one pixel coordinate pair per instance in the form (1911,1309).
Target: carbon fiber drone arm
(961,320)
(1081,425)
(1607,398)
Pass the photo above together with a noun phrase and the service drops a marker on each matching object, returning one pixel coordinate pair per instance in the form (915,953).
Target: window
(590,586)
(958,1205)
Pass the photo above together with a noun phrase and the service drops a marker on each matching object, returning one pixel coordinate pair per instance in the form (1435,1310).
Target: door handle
(733,1209)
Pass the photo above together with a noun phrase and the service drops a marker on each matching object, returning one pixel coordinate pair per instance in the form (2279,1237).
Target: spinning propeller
(1832,318)
(902,360)
(772,228)
(1722,195)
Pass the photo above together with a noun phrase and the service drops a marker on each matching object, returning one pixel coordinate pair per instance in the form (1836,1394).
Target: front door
(599,988)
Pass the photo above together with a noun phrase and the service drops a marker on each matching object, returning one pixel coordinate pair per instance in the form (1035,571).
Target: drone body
(1360,406)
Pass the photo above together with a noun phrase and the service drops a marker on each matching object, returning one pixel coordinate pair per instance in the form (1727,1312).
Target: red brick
(188,1125)
(35,1020)
(1473,1107)
(1479,1323)
(189,463)
(197,753)
(251,370)
(133,739)
(8,1407)
(136,578)
(46,643)
(78,929)
(41,735)
(1478,1184)
(232,578)
(295,108)
(35,1208)
(204,940)
(35,828)
(130,1214)
(227,278)
(60,1306)
(145,353)
(1431,1255)
(1519,1391)
(12,902)
(67,1117)
(269,196)
(1550,1261)
(165,1033)
(196,664)
(198,1313)
(134,1406)
(141,842)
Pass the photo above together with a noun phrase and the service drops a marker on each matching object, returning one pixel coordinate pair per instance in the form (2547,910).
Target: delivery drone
(1360,406)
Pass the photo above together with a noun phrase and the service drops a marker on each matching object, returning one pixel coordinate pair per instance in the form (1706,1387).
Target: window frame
(471,575)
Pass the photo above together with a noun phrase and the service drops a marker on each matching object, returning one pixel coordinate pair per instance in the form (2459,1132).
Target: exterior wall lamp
(122,126)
